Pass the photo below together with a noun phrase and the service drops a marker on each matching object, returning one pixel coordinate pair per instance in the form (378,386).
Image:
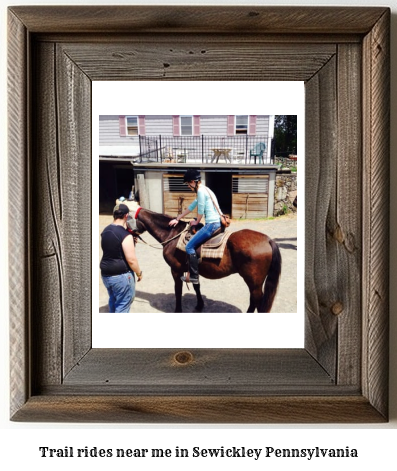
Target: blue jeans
(201,236)
(121,290)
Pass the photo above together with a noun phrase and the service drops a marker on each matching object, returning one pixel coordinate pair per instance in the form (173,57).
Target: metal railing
(204,149)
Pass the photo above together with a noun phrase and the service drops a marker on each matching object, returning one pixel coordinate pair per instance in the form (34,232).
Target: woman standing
(119,261)
(205,203)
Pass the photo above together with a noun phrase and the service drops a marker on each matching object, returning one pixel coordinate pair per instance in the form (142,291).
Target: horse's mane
(162,220)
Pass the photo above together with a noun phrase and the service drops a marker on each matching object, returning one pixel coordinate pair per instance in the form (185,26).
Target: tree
(285,135)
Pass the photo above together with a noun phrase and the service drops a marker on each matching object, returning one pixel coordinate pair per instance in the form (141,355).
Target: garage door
(176,195)
(250,196)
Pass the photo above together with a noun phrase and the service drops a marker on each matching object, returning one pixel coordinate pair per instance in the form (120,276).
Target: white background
(230,330)
(20,442)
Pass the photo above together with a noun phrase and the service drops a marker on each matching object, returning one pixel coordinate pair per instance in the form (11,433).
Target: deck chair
(167,155)
(181,156)
(258,151)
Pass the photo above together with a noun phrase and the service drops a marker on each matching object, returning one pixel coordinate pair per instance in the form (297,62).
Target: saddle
(212,248)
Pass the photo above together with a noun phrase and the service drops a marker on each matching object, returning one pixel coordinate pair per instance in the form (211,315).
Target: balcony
(240,149)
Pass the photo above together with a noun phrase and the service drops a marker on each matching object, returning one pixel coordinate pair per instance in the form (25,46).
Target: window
(132,125)
(186,125)
(241,124)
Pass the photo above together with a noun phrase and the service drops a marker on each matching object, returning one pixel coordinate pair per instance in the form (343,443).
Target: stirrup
(186,278)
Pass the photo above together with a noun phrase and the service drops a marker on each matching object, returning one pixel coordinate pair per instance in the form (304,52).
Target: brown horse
(251,254)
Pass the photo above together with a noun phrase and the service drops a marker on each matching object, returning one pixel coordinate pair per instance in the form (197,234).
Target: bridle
(136,234)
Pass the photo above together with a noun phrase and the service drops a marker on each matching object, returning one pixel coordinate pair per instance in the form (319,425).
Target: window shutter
(122,126)
(175,125)
(230,125)
(196,125)
(252,125)
(141,125)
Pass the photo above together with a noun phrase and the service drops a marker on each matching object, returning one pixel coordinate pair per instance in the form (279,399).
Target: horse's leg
(255,298)
(254,281)
(178,291)
(200,301)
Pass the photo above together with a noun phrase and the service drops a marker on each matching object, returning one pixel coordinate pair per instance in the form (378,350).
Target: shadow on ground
(163,302)
(283,245)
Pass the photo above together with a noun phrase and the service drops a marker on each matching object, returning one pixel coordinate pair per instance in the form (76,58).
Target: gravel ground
(155,293)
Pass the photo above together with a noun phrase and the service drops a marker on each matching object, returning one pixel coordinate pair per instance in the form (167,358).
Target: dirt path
(155,293)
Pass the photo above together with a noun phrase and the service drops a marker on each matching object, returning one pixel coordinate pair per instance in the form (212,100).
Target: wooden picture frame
(342,54)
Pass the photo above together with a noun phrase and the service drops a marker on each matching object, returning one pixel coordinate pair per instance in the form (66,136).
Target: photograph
(186,173)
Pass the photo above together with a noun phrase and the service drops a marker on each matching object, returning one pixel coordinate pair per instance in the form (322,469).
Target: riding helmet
(191,175)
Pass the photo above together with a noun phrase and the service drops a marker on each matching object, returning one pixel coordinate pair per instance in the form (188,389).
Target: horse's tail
(272,279)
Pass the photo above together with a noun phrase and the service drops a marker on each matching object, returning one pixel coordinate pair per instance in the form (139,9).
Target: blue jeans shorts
(121,290)
(201,236)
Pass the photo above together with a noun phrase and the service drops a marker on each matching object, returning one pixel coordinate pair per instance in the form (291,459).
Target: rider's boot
(193,275)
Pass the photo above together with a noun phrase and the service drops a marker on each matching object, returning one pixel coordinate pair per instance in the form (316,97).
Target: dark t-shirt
(113,260)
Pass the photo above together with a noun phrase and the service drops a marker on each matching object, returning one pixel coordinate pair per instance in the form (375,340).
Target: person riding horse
(205,203)
(251,254)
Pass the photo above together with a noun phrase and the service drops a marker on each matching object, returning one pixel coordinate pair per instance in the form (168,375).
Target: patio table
(219,152)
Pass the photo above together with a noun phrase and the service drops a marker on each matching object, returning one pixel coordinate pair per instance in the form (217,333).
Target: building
(151,153)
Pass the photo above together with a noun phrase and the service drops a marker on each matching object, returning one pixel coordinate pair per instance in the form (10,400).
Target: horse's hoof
(199,308)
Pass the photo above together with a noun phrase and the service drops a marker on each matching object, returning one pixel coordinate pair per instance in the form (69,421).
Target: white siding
(109,133)
(156,125)
(216,125)
(213,125)
(262,125)
(210,125)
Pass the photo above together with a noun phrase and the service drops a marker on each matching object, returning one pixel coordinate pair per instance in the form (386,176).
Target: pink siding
(175,125)
(252,125)
(122,126)
(141,125)
(230,125)
(196,125)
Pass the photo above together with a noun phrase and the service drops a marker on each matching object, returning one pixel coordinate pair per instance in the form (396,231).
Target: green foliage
(285,135)
(284,209)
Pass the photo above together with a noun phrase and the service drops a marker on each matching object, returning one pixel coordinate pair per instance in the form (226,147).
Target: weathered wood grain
(199,409)
(346,226)
(55,375)
(19,203)
(73,108)
(376,149)
(62,202)
(225,369)
(248,205)
(334,215)
(320,173)
(175,203)
(223,58)
(198,19)
(47,235)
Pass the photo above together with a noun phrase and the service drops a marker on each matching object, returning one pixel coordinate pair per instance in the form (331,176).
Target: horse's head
(135,226)
(141,220)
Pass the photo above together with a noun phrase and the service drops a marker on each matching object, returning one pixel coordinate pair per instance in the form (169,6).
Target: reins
(161,243)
